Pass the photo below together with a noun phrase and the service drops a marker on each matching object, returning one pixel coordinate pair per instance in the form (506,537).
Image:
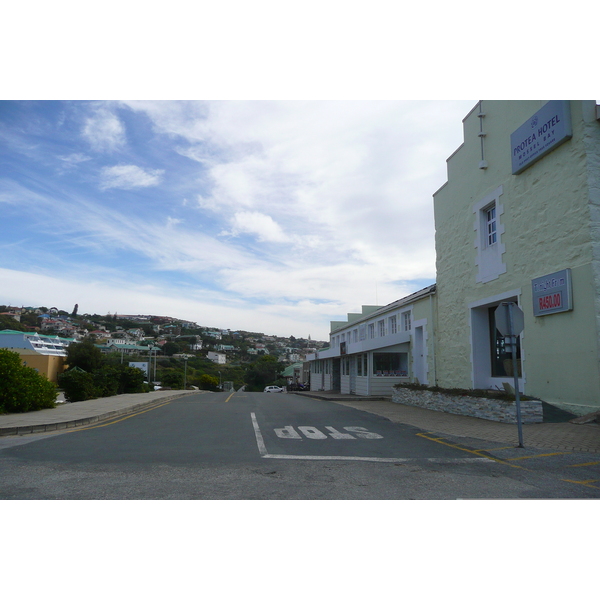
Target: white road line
(375,459)
(264,454)
(259,438)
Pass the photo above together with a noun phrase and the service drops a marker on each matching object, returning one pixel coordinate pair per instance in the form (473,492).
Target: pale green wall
(425,309)
(546,224)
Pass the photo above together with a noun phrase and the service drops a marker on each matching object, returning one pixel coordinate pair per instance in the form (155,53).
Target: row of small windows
(384,364)
(373,330)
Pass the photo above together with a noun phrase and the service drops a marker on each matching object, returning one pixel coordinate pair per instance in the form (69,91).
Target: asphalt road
(274,446)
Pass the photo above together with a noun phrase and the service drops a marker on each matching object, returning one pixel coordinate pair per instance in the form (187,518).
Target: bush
(476,393)
(208,382)
(77,385)
(106,381)
(84,355)
(131,381)
(172,379)
(23,389)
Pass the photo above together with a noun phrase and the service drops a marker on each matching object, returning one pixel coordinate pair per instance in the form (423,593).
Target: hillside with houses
(147,337)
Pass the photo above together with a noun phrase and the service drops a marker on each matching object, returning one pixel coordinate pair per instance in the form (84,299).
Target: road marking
(313,433)
(376,459)
(232,393)
(586,482)
(259,438)
(588,464)
(476,452)
(538,455)
(262,449)
(117,420)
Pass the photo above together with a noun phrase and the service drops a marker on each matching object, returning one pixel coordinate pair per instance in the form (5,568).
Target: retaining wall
(502,411)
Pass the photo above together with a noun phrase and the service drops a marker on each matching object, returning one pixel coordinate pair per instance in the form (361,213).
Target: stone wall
(502,411)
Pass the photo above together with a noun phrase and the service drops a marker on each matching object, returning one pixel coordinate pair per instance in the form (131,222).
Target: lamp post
(220,387)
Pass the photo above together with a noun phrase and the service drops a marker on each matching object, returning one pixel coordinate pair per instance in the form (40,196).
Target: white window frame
(406,320)
(489,255)
(491,222)
(393,324)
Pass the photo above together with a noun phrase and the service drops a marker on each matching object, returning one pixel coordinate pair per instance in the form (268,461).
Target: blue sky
(272,216)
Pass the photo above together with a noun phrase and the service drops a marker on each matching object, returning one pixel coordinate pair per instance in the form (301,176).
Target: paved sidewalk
(76,414)
(556,436)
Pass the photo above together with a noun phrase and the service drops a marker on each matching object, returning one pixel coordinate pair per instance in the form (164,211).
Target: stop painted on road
(314,433)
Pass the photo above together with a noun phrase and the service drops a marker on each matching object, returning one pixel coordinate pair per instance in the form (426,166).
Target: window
(371,331)
(381,328)
(345,366)
(355,336)
(392,325)
(343,337)
(359,363)
(488,237)
(390,364)
(406,321)
(363,332)
(490,220)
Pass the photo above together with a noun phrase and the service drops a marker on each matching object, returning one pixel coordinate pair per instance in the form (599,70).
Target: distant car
(273,389)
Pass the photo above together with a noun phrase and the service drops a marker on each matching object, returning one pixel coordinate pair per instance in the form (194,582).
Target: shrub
(476,393)
(84,355)
(208,382)
(106,381)
(131,381)
(172,379)
(22,388)
(77,385)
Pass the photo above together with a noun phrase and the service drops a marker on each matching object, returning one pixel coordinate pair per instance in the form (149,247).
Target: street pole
(513,344)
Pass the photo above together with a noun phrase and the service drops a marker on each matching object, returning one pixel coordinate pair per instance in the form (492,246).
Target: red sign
(550,301)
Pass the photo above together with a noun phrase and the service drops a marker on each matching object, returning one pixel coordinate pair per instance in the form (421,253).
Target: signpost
(510,322)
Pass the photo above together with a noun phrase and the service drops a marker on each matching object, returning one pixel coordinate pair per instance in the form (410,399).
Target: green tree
(208,382)
(22,388)
(77,385)
(170,348)
(172,378)
(84,355)
(131,381)
(264,371)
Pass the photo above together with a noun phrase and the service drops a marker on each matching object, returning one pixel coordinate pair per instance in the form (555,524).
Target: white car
(273,389)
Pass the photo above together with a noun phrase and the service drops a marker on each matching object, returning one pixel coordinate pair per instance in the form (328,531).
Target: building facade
(519,221)
(378,348)
(46,354)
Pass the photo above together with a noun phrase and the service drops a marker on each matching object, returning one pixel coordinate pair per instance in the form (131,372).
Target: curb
(25,429)
(341,398)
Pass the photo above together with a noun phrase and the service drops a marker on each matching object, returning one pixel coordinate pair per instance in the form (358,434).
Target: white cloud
(258,224)
(127,177)
(322,207)
(104,131)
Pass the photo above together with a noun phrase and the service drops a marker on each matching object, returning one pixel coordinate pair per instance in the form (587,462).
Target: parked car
(273,389)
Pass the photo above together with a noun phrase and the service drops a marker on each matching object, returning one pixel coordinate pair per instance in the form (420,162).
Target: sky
(271,216)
